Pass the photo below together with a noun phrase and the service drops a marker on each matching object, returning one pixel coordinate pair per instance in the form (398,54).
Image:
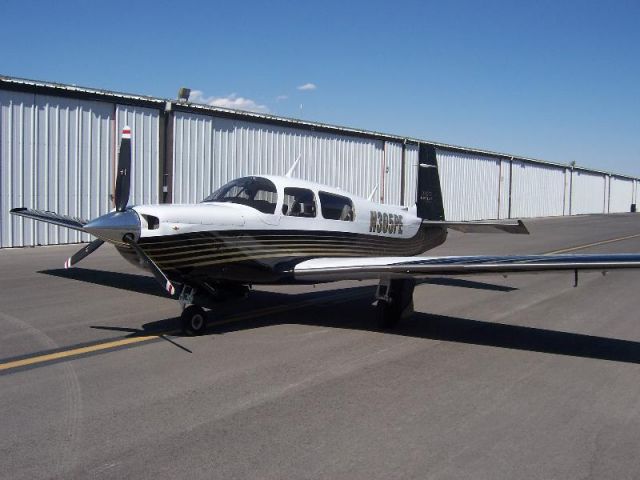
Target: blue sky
(558,81)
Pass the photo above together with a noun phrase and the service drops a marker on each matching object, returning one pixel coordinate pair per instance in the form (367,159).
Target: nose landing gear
(193,320)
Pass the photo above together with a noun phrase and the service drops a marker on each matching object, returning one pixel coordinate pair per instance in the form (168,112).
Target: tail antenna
(373,192)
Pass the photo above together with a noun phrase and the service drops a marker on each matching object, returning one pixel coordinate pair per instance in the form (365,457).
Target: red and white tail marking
(126,132)
(67,263)
(170,288)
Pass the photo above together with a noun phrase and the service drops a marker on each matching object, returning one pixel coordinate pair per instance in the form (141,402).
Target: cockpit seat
(295,210)
(347,213)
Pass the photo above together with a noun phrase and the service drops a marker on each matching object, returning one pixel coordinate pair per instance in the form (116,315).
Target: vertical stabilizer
(429,203)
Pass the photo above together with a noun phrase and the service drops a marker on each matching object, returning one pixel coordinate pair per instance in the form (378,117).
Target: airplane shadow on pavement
(467,331)
(124,281)
(360,315)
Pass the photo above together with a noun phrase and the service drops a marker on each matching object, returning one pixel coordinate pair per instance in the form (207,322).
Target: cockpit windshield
(255,192)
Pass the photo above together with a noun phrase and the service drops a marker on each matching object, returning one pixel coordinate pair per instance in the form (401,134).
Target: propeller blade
(123,183)
(157,273)
(83,252)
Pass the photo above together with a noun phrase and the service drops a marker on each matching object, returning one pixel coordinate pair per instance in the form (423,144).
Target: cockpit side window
(336,207)
(299,202)
(256,192)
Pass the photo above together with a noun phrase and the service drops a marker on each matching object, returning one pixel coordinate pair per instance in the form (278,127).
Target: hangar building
(58,146)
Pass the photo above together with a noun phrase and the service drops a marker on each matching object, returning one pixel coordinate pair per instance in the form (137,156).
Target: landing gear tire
(193,320)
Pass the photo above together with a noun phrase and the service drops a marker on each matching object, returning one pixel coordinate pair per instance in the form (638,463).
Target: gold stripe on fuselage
(216,249)
(206,249)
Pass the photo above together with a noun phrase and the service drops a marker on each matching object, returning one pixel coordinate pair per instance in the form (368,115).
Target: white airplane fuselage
(237,243)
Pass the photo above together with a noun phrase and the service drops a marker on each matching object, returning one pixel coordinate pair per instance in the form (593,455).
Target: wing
(481,227)
(50,217)
(359,268)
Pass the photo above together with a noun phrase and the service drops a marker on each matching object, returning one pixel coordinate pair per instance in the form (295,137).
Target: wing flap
(516,227)
(358,268)
(50,217)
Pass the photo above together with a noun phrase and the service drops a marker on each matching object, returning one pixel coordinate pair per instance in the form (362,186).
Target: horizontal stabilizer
(358,268)
(481,226)
(50,217)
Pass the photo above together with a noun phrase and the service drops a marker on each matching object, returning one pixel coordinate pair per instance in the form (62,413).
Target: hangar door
(55,156)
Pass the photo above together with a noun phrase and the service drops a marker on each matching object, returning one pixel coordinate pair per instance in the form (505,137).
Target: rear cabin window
(298,202)
(336,207)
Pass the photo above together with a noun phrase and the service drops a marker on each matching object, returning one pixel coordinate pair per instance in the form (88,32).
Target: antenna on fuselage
(373,192)
(293,167)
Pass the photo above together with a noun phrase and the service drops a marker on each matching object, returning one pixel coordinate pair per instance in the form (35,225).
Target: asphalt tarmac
(493,378)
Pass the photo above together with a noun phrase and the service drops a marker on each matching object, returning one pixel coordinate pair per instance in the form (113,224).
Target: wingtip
(67,263)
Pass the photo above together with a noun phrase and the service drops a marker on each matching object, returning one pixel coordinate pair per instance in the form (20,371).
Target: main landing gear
(394,301)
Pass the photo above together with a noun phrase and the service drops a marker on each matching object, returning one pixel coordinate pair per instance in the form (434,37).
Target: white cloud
(230,101)
(307,86)
(279,98)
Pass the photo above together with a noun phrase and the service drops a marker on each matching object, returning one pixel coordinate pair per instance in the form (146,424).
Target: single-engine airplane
(281,230)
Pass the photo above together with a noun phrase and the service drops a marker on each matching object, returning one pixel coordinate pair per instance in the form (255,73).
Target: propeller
(123,184)
(117,226)
(80,254)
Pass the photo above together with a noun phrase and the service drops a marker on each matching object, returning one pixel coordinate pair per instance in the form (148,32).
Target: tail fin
(429,205)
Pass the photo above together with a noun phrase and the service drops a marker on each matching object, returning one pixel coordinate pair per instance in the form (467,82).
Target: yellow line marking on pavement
(145,338)
(595,244)
(75,352)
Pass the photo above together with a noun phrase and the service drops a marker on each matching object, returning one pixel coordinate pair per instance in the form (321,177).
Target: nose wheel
(193,320)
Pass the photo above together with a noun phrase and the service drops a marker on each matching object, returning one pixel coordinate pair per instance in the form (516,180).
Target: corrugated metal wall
(568,184)
(470,185)
(59,154)
(504,189)
(209,151)
(392,173)
(588,192)
(537,190)
(411,163)
(620,194)
(477,187)
(55,155)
